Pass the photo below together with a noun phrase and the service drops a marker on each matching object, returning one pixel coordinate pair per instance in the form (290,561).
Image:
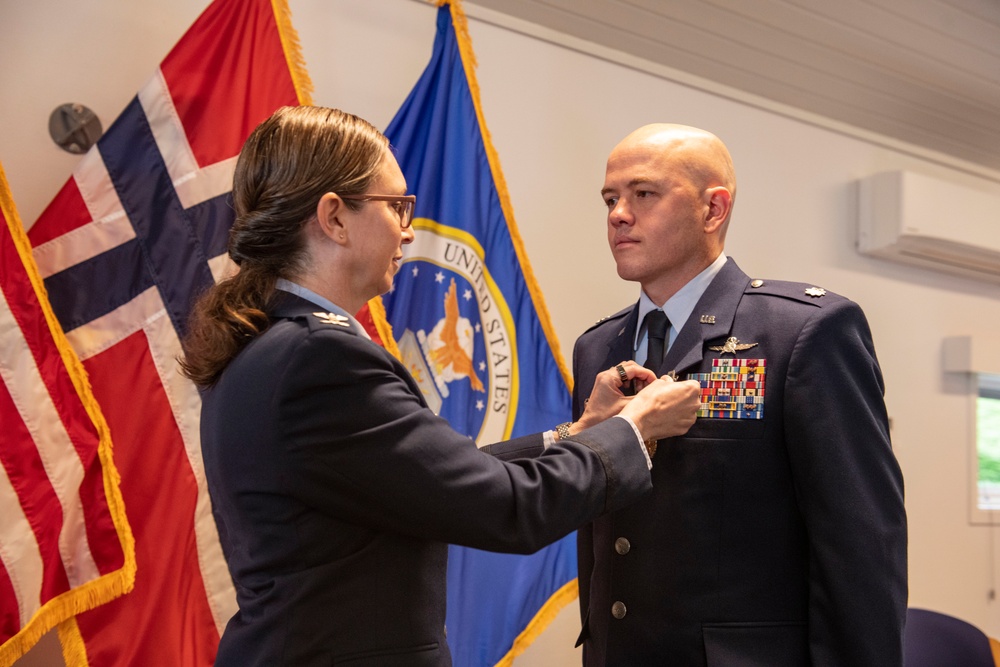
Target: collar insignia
(333,318)
(732,346)
(708,319)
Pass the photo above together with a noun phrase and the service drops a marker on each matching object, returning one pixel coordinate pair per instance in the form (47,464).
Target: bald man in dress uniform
(776,533)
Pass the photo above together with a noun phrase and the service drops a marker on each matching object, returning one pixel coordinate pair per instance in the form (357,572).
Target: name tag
(734,389)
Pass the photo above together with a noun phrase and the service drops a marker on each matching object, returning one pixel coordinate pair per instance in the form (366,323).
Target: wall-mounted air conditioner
(921,220)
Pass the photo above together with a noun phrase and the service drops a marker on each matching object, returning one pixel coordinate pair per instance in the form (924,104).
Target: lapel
(620,344)
(720,299)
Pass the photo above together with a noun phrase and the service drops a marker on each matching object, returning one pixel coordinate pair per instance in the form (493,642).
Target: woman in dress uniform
(335,489)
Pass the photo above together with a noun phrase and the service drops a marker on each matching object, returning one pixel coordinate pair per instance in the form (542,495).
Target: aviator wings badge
(732,346)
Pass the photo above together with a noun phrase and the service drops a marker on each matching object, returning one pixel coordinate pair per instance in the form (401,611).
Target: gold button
(622,546)
(618,610)
(756,283)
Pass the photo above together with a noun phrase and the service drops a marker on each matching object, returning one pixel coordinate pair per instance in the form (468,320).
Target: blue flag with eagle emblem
(473,330)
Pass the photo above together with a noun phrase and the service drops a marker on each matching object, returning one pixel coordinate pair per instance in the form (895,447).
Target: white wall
(554,113)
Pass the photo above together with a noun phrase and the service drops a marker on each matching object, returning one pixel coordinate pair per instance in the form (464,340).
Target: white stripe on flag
(185,403)
(96,188)
(194,184)
(59,458)
(222,267)
(21,557)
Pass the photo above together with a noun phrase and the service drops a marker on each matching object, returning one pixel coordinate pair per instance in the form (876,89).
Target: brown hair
(287,164)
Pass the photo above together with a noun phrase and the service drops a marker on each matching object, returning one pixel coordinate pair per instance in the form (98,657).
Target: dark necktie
(657,325)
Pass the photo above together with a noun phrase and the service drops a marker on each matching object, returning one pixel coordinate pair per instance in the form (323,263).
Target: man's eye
(642,194)
(611,202)
(398,207)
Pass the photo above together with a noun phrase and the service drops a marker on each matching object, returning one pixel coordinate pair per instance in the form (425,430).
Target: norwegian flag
(65,545)
(125,247)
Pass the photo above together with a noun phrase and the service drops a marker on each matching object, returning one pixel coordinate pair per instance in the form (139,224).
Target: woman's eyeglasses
(401,204)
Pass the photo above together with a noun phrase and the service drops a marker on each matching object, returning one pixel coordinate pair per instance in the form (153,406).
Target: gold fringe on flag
(562,597)
(293,51)
(74,649)
(377,310)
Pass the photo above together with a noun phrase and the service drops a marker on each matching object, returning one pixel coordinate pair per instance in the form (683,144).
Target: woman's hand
(607,398)
(664,408)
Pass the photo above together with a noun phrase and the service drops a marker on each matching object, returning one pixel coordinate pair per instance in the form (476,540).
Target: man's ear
(330,212)
(720,203)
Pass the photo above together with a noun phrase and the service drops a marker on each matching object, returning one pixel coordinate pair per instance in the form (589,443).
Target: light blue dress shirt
(677,308)
(321,302)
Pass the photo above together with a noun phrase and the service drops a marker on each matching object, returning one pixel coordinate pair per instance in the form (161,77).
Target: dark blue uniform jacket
(336,491)
(774,542)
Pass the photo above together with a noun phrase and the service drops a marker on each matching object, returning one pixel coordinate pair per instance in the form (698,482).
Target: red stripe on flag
(63,214)
(218,118)
(38,499)
(19,454)
(79,427)
(166,620)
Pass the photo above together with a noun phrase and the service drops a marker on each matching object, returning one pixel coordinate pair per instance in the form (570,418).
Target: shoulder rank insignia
(732,346)
(333,318)
(815,292)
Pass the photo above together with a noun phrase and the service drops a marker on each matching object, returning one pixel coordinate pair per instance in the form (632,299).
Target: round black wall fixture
(74,127)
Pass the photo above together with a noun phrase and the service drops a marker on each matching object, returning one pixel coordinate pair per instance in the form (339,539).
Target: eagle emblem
(732,346)
(455,337)
(815,292)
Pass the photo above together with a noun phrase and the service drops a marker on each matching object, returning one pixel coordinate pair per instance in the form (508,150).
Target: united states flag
(65,545)
(125,247)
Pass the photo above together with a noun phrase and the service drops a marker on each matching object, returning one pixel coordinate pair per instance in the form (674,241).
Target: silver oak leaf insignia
(333,318)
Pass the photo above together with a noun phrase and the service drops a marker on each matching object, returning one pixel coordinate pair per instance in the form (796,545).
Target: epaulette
(323,321)
(617,316)
(802,292)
